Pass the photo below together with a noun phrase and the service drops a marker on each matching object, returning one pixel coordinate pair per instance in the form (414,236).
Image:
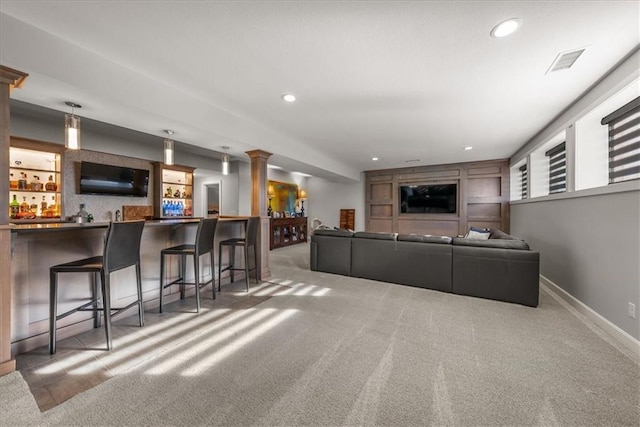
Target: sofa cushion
(378,236)
(499,234)
(334,233)
(496,243)
(478,235)
(424,238)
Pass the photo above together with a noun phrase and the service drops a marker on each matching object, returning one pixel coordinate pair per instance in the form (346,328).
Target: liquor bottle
(35,184)
(13,183)
(51,185)
(33,207)
(14,207)
(82,213)
(22,181)
(43,206)
(55,212)
(24,206)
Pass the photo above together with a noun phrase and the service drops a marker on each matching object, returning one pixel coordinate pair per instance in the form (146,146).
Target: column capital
(258,154)
(11,77)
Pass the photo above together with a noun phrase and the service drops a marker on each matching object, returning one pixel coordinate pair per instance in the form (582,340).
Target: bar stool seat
(121,250)
(250,240)
(203,245)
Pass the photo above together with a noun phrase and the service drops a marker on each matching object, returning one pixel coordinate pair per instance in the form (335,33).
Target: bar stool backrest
(122,246)
(251,235)
(205,235)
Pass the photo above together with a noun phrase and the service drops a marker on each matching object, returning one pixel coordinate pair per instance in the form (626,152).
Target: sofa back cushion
(491,243)
(334,233)
(424,238)
(376,236)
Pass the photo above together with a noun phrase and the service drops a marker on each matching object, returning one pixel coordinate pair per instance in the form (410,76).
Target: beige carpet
(332,350)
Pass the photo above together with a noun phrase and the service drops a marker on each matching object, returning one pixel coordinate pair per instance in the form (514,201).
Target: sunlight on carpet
(240,342)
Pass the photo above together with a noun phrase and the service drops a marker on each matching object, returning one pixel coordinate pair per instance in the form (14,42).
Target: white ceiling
(392,79)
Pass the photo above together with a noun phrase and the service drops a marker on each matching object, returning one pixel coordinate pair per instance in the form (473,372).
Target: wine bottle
(14,207)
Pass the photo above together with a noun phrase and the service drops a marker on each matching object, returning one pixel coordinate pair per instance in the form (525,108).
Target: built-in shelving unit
(35,181)
(173,191)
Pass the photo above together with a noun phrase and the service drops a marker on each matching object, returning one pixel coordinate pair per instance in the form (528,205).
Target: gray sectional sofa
(501,268)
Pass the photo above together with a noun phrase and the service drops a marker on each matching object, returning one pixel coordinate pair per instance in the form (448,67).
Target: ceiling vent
(565,60)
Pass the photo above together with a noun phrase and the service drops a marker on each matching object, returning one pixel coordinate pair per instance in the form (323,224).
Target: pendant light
(225,161)
(168,148)
(72,128)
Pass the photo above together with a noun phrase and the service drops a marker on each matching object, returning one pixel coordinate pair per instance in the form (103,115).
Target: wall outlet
(631,310)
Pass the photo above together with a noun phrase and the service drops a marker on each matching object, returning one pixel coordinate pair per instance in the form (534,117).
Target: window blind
(557,168)
(525,182)
(624,142)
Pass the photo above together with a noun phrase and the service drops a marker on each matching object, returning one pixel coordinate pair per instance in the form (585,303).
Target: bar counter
(37,247)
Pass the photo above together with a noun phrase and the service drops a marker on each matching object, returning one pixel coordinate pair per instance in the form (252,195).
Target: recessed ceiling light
(468,148)
(288,97)
(505,28)
(375,159)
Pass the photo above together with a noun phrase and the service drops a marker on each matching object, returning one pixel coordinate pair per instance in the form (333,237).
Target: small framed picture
(287,214)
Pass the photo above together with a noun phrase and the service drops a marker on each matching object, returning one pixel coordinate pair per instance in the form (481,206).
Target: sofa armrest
(510,275)
(331,252)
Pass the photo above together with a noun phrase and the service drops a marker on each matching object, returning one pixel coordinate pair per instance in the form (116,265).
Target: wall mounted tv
(429,198)
(97,178)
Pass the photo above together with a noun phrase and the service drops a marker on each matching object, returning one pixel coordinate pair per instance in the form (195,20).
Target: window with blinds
(557,168)
(525,182)
(624,142)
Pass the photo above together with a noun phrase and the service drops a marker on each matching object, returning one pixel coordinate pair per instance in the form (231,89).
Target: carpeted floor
(333,350)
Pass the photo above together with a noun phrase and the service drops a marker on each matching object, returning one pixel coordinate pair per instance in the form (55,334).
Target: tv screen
(428,198)
(97,178)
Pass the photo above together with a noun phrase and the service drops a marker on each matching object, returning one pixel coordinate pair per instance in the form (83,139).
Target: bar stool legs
(105,285)
(121,250)
(203,244)
(106,292)
(250,240)
(53,310)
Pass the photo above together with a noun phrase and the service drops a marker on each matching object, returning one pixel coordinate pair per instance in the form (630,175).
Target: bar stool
(121,250)
(250,239)
(203,245)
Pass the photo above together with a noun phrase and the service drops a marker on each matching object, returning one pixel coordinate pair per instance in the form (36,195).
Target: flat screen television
(97,178)
(429,198)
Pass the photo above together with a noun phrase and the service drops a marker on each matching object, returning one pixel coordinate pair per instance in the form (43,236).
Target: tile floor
(81,362)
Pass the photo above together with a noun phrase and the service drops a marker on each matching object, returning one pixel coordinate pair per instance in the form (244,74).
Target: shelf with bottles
(174,191)
(35,177)
(171,191)
(34,205)
(37,180)
(177,208)
(33,169)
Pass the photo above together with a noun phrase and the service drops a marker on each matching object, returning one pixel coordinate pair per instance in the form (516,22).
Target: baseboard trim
(611,329)
(7,367)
